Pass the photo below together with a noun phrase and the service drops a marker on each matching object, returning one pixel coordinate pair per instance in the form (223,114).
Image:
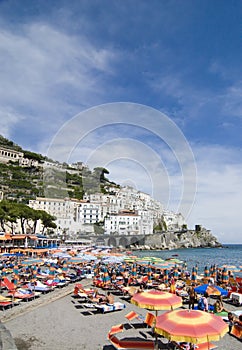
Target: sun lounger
(110,307)
(5,304)
(134,315)
(127,344)
(202,346)
(39,287)
(236,331)
(116,329)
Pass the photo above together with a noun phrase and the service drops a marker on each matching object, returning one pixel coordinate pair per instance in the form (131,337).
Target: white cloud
(48,76)
(219,192)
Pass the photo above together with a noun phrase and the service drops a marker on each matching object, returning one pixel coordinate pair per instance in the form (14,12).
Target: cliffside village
(122,211)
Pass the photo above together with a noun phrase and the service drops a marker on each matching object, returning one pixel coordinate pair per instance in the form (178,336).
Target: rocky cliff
(182,239)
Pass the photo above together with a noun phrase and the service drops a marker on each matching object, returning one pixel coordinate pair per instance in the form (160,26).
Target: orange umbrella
(156,300)
(192,326)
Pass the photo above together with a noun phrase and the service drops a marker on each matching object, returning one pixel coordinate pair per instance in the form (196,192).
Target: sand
(59,321)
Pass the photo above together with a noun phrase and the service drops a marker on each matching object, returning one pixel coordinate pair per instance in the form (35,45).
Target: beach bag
(201,305)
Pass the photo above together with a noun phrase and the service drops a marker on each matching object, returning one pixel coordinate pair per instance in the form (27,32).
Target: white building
(71,215)
(7,155)
(123,223)
(173,221)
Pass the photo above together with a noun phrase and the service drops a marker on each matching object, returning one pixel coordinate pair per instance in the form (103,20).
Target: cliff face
(186,239)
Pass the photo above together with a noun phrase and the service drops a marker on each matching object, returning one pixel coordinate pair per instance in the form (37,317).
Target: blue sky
(61,60)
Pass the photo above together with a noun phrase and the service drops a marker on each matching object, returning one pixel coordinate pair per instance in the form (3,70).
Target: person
(218,306)
(109,298)
(231,319)
(203,303)
(192,297)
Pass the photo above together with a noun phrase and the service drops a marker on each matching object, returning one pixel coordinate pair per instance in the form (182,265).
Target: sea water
(229,254)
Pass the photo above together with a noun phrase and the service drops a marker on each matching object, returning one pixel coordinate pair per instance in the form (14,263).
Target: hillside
(22,183)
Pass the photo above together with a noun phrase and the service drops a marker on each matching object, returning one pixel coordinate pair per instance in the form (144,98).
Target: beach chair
(130,344)
(132,315)
(5,302)
(150,320)
(116,329)
(236,331)
(39,287)
(202,346)
(18,293)
(117,306)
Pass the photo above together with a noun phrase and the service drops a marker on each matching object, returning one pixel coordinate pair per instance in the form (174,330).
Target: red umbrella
(192,326)
(156,300)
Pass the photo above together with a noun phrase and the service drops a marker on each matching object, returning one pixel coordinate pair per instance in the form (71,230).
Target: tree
(47,220)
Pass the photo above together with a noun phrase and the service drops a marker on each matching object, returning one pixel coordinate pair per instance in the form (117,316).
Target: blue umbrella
(205,288)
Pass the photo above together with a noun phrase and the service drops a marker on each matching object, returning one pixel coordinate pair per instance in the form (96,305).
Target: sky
(150,90)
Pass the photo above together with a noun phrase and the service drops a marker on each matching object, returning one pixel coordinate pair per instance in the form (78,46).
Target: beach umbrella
(166,276)
(52,271)
(105,277)
(213,271)
(156,300)
(232,268)
(175,272)
(15,269)
(206,272)
(134,271)
(30,262)
(75,260)
(64,268)
(149,274)
(225,277)
(194,274)
(211,290)
(4,271)
(192,326)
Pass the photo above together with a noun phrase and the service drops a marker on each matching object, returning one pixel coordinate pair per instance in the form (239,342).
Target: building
(7,155)
(123,223)
(72,215)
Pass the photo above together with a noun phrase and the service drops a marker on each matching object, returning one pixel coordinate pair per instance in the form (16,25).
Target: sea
(228,254)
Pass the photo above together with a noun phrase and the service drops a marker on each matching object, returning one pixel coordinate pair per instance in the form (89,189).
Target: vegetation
(10,212)
(24,183)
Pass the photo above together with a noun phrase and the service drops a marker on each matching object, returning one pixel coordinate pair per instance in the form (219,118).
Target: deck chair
(8,284)
(236,331)
(116,329)
(134,315)
(122,344)
(150,320)
(202,346)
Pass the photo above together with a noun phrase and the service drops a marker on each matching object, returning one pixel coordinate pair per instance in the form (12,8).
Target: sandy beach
(59,321)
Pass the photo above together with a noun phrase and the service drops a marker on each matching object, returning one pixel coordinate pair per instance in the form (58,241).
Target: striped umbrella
(225,277)
(206,272)
(213,271)
(105,278)
(34,273)
(194,274)
(4,271)
(134,271)
(175,272)
(156,300)
(192,326)
(166,276)
(52,271)
(149,274)
(15,269)
(64,268)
